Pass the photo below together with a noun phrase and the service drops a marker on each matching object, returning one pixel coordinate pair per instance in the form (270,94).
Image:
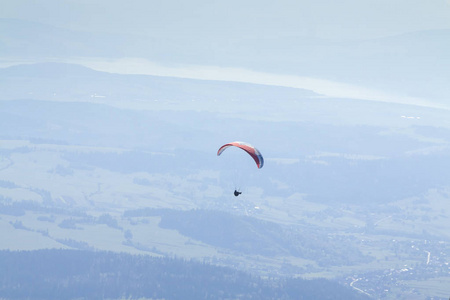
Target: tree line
(76,274)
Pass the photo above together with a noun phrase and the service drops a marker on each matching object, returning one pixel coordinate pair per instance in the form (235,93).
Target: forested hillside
(252,236)
(71,274)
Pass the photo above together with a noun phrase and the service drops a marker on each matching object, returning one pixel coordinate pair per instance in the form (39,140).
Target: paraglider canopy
(252,151)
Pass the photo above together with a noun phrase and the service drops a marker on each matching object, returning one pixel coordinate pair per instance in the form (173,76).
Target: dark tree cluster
(73,274)
(253,236)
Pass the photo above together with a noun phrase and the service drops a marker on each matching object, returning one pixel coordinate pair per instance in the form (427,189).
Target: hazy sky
(211,18)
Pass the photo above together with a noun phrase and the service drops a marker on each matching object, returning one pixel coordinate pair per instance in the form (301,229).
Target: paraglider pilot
(237,193)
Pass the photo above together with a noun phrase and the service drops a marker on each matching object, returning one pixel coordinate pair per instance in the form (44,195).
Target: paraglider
(252,151)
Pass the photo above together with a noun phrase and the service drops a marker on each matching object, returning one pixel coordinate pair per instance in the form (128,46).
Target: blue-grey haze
(355,184)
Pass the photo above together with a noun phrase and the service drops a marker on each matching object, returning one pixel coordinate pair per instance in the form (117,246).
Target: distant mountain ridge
(75,82)
(47,70)
(415,63)
(21,38)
